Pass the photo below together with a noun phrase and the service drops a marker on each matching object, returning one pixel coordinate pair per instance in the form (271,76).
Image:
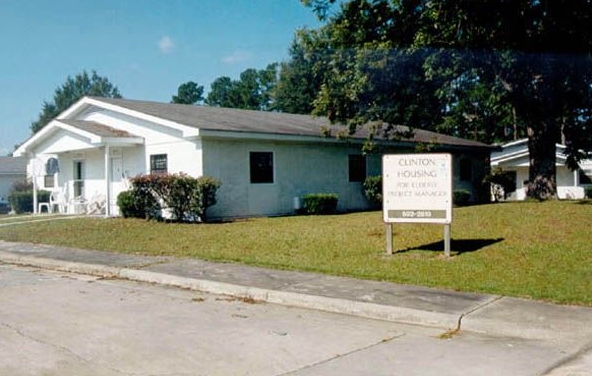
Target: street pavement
(59,323)
(449,311)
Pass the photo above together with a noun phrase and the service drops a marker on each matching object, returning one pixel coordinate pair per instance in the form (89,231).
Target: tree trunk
(542,183)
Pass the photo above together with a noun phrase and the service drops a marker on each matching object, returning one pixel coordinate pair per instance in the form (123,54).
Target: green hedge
(588,192)
(319,203)
(461,197)
(22,201)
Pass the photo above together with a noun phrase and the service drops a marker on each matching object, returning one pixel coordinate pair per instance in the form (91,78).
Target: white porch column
(34,178)
(107,183)
(576,178)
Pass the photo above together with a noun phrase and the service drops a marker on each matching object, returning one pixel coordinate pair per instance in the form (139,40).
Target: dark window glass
(78,178)
(466,169)
(584,178)
(261,167)
(158,164)
(357,168)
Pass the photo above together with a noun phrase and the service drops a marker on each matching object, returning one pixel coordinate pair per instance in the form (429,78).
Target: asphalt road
(54,323)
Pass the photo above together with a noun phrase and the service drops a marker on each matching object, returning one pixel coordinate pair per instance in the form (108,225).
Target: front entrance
(117,183)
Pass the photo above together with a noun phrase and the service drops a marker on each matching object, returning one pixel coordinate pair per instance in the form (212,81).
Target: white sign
(417,188)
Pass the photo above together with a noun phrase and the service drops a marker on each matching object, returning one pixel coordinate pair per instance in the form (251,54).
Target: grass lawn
(527,249)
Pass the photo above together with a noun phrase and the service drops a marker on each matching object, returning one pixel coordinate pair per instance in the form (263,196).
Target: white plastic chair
(44,205)
(57,199)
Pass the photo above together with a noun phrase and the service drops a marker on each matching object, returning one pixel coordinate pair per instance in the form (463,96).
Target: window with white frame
(158,164)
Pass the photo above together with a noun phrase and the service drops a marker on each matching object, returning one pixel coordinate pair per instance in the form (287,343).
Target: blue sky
(147,48)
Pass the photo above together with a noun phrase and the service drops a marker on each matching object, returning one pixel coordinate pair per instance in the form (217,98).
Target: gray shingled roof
(97,128)
(13,165)
(231,119)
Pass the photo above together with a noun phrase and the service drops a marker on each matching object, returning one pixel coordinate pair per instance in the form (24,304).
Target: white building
(514,157)
(264,160)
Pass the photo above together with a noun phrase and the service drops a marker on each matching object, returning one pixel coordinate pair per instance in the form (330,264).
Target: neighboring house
(264,160)
(514,157)
(11,169)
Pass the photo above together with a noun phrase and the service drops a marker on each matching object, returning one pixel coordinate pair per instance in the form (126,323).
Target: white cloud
(237,57)
(166,44)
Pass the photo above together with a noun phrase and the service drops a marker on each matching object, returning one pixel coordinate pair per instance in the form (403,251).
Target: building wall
(299,169)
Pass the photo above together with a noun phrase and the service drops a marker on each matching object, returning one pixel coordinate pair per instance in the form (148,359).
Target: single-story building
(11,169)
(514,157)
(264,160)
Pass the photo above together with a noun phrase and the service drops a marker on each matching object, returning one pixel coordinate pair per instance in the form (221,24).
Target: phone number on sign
(416,214)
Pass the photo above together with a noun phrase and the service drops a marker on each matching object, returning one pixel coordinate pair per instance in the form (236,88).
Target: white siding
(62,141)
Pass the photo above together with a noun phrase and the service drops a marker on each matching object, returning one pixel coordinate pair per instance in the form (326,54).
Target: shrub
(541,188)
(204,196)
(498,178)
(319,203)
(186,197)
(373,189)
(126,205)
(22,201)
(588,192)
(175,191)
(136,203)
(461,197)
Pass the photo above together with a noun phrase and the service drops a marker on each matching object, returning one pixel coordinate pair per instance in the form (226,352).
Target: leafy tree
(299,78)
(70,92)
(253,91)
(188,93)
(221,92)
(489,70)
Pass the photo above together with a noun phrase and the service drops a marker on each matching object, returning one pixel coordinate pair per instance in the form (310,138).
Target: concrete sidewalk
(449,310)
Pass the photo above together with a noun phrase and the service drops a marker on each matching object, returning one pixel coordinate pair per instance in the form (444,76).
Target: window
(466,169)
(158,164)
(357,168)
(48,181)
(78,178)
(261,167)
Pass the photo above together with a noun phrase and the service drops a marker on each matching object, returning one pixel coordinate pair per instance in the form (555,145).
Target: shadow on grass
(457,246)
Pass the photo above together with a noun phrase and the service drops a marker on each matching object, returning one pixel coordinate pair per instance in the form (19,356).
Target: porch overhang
(61,136)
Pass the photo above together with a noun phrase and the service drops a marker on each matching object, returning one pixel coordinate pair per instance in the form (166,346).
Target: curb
(446,321)
(494,317)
